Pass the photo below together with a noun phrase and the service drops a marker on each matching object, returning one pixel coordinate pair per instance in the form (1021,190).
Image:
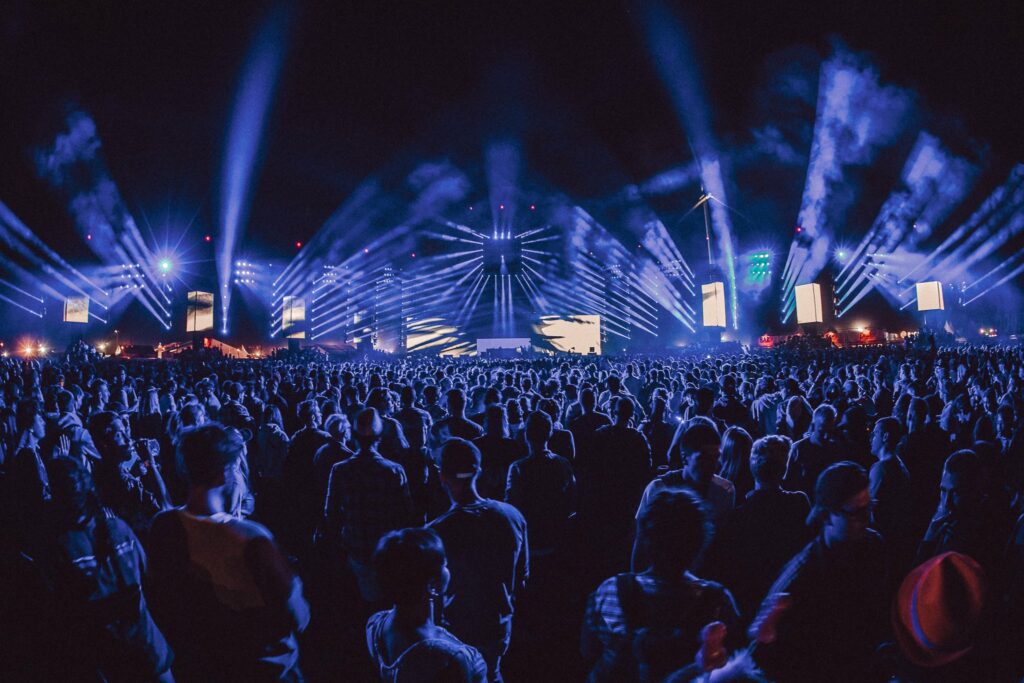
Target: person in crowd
(129,482)
(488,550)
(585,426)
(967,519)
(224,595)
(367,496)
(659,432)
(645,625)
(795,419)
(763,533)
(611,481)
(96,566)
(455,423)
(699,447)
(407,642)
(393,442)
(415,422)
(497,452)
(334,451)
(837,589)
(736,445)
(949,636)
(561,441)
(891,490)
(814,452)
(66,422)
(542,487)
(299,480)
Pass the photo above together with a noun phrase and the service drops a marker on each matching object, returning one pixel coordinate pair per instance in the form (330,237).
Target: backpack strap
(630,601)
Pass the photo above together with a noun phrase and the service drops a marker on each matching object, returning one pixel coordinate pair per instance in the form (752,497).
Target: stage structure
(293,317)
(929,296)
(199,311)
(76,309)
(808,304)
(512,344)
(713,299)
(579,334)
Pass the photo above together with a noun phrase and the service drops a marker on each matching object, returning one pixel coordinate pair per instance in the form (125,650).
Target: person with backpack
(407,642)
(643,626)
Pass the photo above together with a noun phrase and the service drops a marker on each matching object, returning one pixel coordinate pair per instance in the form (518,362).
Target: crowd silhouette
(796,514)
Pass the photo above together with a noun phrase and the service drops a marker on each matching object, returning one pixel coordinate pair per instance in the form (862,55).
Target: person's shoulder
(505,509)
(164,522)
(374,627)
(723,484)
(713,588)
(249,529)
(671,479)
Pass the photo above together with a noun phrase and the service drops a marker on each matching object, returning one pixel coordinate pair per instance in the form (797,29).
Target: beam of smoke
(981,217)
(73,164)
(677,66)
(856,116)
(245,134)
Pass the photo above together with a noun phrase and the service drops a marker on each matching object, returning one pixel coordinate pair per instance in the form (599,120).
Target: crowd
(797,514)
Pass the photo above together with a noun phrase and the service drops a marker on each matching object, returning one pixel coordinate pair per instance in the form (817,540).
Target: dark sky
(372,84)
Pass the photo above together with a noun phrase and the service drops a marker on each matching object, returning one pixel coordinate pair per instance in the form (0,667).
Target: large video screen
(808,304)
(571,333)
(76,309)
(199,312)
(293,317)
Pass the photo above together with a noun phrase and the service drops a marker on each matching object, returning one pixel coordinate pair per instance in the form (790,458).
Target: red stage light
(207,238)
(533,207)
(501,206)
(799,229)
(88,236)
(414,254)
(298,245)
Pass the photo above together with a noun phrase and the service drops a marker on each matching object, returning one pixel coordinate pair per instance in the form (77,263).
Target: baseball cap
(460,459)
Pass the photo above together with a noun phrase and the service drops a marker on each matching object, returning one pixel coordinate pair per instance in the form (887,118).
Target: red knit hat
(938,608)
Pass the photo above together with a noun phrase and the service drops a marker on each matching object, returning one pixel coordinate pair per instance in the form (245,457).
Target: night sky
(368,86)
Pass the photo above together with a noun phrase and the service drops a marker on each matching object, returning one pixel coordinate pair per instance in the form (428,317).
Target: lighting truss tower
(386,330)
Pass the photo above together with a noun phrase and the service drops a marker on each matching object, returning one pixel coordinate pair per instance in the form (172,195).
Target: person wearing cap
(367,496)
(222,592)
(941,619)
(838,587)
(488,552)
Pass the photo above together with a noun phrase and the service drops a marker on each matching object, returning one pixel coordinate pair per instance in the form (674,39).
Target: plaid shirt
(605,631)
(367,496)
